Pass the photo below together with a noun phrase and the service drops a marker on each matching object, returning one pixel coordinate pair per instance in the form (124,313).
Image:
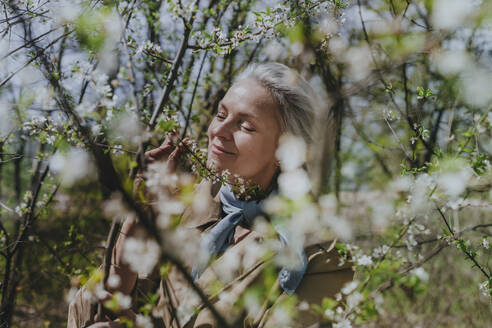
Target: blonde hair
(296,99)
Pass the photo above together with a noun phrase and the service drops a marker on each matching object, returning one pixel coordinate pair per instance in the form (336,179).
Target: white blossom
(187,306)
(114,281)
(254,251)
(281,316)
(291,152)
(451,62)
(354,299)
(141,254)
(72,166)
(227,266)
(329,313)
(485,243)
(484,288)
(124,301)
(421,274)
(343,324)
(65,11)
(380,251)
(418,200)
(359,62)
(474,82)
(454,183)
(364,260)
(273,50)
(448,14)
(252,303)
(294,184)
(339,225)
(143,322)
(350,287)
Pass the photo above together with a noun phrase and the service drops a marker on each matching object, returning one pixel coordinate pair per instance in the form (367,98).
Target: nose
(221,129)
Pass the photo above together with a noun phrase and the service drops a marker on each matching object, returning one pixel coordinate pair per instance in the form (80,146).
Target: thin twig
(193,96)
(467,253)
(39,54)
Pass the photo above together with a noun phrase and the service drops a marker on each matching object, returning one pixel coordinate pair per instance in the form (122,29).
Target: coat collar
(208,212)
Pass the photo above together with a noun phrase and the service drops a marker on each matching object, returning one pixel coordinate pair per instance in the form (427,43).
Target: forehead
(249,97)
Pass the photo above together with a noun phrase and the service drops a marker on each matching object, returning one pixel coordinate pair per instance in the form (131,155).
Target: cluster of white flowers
(453,183)
(142,321)
(141,254)
(350,287)
(359,62)
(115,207)
(485,243)
(41,125)
(183,9)
(484,289)
(294,181)
(281,316)
(65,11)
(252,303)
(219,34)
(123,301)
(72,165)
(150,47)
(23,206)
(330,219)
(380,251)
(362,259)
(421,274)
(237,37)
(188,306)
(185,244)
(450,14)
(418,200)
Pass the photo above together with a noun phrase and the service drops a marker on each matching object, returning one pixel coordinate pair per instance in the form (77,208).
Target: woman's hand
(165,152)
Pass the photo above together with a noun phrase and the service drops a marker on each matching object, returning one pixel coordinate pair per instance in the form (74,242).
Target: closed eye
(248,129)
(220,115)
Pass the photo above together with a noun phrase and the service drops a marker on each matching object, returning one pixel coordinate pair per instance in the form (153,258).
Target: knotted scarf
(221,236)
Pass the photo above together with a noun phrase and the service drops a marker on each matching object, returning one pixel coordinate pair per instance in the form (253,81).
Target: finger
(173,159)
(169,138)
(155,152)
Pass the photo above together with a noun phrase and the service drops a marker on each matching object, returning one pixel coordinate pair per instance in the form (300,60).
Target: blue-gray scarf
(221,236)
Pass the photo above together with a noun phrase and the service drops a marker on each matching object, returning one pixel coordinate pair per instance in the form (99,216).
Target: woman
(266,101)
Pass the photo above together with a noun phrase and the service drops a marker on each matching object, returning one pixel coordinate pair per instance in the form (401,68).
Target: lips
(220,150)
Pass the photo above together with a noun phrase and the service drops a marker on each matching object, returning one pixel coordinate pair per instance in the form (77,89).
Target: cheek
(210,129)
(258,150)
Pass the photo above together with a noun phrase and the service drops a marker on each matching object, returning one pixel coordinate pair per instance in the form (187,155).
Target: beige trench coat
(323,278)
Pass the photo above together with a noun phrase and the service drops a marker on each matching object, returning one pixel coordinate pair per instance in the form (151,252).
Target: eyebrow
(241,113)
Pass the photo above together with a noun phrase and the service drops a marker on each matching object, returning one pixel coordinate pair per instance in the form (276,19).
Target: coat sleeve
(81,310)
(83,307)
(324,277)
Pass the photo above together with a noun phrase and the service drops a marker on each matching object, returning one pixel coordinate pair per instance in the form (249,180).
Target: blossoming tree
(400,171)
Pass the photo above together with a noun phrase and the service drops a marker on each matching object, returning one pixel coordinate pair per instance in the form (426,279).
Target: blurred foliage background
(404,124)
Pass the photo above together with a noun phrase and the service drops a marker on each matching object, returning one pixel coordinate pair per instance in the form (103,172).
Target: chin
(218,165)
